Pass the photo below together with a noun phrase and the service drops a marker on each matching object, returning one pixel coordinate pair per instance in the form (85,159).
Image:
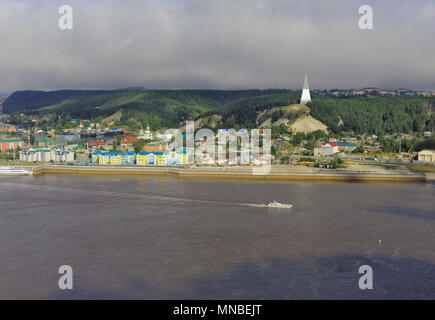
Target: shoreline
(243,173)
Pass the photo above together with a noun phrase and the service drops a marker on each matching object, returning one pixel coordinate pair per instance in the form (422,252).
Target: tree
(138,145)
(336,163)
(273,150)
(114,147)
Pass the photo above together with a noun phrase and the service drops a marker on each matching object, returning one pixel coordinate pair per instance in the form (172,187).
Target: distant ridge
(32,99)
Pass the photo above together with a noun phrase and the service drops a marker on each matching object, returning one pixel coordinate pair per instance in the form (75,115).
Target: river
(161,237)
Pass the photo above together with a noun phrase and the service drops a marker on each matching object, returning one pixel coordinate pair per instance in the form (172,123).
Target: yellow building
(113,158)
(427,156)
(161,158)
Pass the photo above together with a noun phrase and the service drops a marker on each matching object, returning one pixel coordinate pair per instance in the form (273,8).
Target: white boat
(14,171)
(276,204)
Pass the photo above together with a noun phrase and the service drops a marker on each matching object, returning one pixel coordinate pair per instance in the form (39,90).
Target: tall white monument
(305,98)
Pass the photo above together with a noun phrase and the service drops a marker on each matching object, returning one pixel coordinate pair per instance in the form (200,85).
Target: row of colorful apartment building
(142,158)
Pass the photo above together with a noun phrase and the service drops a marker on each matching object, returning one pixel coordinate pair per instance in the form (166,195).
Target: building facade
(46,155)
(67,137)
(161,158)
(427,156)
(113,158)
(45,142)
(11,144)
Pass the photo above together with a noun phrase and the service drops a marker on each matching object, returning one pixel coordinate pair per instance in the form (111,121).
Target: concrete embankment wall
(240,173)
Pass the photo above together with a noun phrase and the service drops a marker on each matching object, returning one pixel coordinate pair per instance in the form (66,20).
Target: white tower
(305,98)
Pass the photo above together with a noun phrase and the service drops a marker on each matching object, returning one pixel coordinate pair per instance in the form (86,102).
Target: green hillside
(369,115)
(160,109)
(156,108)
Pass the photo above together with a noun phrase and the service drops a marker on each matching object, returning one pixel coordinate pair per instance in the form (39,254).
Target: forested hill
(160,109)
(380,115)
(376,114)
(76,99)
(31,100)
(139,107)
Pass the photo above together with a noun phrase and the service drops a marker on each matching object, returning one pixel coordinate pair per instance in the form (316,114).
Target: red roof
(330,143)
(129,139)
(97,143)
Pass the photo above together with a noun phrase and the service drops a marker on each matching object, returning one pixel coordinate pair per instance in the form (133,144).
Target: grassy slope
(421,168)
(166,106)
(156,108)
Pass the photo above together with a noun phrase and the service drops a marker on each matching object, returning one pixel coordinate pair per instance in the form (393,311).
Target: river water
(168,238)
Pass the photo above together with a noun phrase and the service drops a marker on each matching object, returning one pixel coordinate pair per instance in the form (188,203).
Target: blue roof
(342,144)
(143,153)
(131,153)
(147,153)
(110,153)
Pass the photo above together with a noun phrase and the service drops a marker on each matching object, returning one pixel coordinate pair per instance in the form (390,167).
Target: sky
(216,44)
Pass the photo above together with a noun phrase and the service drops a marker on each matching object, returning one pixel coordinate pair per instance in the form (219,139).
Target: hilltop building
(306,97)
(147,135)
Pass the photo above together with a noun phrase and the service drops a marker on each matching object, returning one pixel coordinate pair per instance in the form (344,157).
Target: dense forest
(371,115)
(138,108)
(378,115)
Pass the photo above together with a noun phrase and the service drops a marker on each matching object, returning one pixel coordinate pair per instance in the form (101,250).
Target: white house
(326,149)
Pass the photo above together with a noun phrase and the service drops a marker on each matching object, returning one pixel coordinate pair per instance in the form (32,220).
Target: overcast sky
(218,44)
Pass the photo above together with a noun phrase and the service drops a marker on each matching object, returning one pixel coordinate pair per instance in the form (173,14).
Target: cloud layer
(222,44)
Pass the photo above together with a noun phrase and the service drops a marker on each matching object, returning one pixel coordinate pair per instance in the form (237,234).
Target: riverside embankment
(276,173)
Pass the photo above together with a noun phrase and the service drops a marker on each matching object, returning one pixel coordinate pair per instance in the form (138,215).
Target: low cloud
(220,44)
